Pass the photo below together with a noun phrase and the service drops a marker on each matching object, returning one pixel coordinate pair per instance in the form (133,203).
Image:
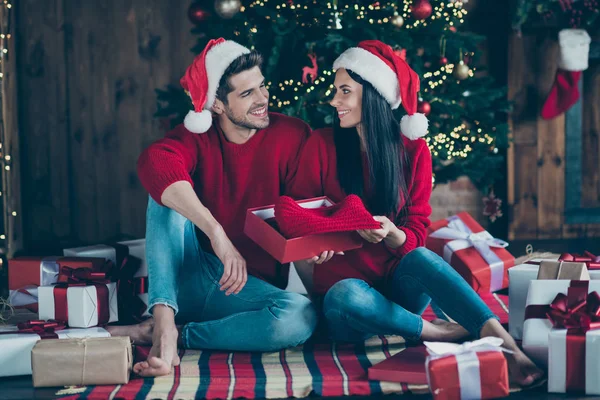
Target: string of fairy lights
(456,143)
(5,158)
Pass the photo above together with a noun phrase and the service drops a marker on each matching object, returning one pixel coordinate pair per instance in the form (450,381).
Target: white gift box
(137,248)
(82,304)
(536,330)
(518,284)
(15,349)
(557,362)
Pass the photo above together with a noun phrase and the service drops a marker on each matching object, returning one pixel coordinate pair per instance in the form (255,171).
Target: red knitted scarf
(348,215)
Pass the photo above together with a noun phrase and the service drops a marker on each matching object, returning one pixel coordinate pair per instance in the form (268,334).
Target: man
(224,291)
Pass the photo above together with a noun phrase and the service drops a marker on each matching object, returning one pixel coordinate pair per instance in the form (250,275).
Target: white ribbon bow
(466,360)
(461,237)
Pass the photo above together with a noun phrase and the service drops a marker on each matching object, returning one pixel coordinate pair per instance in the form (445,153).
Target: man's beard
(243,122)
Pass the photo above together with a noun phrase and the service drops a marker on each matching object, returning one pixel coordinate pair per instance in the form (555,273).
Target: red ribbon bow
(45,329)
(577,310)
(83,276)
(131,307)
(590,260)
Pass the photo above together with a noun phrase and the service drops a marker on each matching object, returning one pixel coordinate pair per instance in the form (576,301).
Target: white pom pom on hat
(392,77)
(201,80)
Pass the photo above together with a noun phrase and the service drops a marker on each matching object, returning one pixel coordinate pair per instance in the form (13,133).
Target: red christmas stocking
(564,93)
(573,58)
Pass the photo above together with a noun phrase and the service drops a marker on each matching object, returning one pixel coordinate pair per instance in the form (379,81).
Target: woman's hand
(324,257)
(389,232)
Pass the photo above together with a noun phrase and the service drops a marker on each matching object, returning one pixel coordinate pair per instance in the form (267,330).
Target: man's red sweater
(317,176)
(229,178)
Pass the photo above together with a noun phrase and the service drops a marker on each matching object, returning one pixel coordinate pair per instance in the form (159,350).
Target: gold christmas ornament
(461,71)
(398,21)
(227,9)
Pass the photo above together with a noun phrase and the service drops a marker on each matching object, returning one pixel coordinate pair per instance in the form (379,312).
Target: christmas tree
(301,39)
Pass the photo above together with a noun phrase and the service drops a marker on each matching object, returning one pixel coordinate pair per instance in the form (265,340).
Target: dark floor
(21,387)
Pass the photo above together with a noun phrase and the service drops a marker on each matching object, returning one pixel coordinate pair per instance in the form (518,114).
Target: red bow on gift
(577,310)
(45,329)
(590,260)
(83,276)
(131,307)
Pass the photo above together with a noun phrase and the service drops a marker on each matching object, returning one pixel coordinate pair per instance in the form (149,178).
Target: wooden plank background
(89,70)
(536,158)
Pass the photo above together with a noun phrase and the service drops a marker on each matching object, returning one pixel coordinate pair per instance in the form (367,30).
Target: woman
(384,287)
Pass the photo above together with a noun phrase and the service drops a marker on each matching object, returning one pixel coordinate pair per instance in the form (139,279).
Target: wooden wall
(87,74)
(537,161)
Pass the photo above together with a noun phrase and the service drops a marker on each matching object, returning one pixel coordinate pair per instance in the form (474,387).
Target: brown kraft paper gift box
(79,362)
(554,270)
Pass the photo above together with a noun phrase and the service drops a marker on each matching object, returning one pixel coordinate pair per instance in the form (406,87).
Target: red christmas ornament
(452,29)
(421,9)
(424,107)
(197,13)
(443,61)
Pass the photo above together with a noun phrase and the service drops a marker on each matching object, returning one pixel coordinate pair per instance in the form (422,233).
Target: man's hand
(235,274)
(325,256)
(377,235)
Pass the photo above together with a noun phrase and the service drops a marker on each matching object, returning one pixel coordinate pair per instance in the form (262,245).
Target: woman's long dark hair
(386,156)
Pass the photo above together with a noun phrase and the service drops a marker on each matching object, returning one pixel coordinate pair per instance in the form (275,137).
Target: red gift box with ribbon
(479,258)
(87,299)
(473,370)
(26,274)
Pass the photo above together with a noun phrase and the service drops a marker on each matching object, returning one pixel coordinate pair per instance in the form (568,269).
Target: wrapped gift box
(407,366)
(473,370)
(25,274)
(537,325)
(15,357)
(478,257)
(79,306)
(285,250)
(573,362)
(79,362)
(120,253)
(519,278)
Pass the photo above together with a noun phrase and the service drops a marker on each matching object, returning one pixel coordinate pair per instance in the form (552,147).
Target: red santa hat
(201,80)
(392,77)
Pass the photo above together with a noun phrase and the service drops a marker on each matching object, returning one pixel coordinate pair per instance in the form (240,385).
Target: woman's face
(348,99)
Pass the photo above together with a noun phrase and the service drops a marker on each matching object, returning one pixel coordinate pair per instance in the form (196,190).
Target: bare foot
(521,369)
(140,333)
(442,330)
(163,354)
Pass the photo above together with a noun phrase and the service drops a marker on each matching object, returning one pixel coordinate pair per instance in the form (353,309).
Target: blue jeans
(182,276)
(355,311)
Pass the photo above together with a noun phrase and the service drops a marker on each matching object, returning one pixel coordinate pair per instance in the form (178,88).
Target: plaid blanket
(321,368)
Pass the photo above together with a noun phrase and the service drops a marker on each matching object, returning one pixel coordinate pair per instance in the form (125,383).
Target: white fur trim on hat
(574,49)
(372,69)
(198,122)
(217,60)
(414,126)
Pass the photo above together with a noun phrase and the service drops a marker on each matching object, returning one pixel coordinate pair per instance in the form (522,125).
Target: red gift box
(408,366)
(287,250)
(479,258)
(43,271)
(482,374)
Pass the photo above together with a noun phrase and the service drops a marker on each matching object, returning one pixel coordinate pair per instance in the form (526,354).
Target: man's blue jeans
(356,311)
(184,277)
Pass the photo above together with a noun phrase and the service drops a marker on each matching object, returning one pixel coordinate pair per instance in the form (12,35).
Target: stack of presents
(554,310)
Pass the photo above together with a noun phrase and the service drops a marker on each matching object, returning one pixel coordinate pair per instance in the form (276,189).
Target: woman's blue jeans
(356,311)
(184,277)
